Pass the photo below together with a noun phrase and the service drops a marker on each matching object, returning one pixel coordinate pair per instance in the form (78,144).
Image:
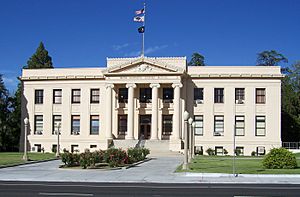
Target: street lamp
(185,161)
(58,133)
(26,121)
(193,139)
(190,138)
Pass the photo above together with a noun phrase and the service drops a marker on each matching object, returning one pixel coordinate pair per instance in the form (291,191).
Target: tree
(270,58)
(197,60)
(40,59)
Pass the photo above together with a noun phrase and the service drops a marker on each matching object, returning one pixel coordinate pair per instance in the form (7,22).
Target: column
(109,88)
(154,118)
(176,115)
(130,116)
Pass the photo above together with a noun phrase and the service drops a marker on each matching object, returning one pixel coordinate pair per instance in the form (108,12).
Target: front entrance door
(145,127)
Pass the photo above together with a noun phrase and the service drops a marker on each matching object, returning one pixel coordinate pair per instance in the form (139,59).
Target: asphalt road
(44,189)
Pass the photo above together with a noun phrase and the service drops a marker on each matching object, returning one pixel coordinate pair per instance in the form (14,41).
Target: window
(260,95)
(219,150)
(122,125)
(39,96)
(260,126)
(260,150)
(123,95)
(74,148)
(93,146)
(219,95)
(76,96)
(145,95)
(54,148)
(239,95)
(219,126)
(38,124)
(167,123)
(239,125)
(95,95)
(198,94)
(38,148)
(94,128)
(198,125)
(239,150)
(75,125)
(57,96)
(56,123)
(168,95)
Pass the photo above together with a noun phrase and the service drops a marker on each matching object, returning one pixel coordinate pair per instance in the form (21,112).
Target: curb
(26,163)
(222,175)
(137,163)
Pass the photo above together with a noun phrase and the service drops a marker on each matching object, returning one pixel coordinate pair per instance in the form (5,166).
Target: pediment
(143,66)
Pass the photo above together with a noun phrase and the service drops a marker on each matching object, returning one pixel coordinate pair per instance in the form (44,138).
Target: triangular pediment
(143,66)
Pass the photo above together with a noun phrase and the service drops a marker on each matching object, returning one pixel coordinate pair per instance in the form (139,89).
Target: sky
(83,33)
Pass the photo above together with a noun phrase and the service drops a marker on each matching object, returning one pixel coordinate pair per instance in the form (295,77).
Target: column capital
(109,85)
(130,85)
(174,85)
(154,85)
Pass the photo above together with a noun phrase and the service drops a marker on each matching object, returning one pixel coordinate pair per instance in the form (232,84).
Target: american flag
(138,12)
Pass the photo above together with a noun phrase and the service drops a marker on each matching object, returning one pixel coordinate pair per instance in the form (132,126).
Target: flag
(139,19)
(141,29)
(138,12)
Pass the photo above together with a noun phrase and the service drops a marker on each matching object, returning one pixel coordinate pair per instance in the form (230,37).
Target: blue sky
(82,33)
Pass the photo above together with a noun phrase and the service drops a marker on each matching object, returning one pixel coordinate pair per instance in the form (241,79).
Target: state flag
(139,19)
(138,12)
(141,29)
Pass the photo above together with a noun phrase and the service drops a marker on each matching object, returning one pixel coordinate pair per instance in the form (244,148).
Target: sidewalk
(158,170)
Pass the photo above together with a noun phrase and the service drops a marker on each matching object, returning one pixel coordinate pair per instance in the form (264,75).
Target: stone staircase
(156,147)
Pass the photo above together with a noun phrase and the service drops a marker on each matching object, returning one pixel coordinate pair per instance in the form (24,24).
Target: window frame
(92,119)
(73,100)
(145,95)
(41,121)
(199,127)
(39,98)
(256,125)
(239,95)
(93,96)
(198,94)
(260,95)
(218,95)
(73,132)
(168,97)
(215,125)
(121,127)
(54,123)
(123,95)
(237,127)
(167,128)
(57,96)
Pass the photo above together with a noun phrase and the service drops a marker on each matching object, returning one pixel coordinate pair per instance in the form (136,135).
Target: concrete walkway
(158,170)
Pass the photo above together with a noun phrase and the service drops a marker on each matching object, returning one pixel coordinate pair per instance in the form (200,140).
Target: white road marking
(64,194)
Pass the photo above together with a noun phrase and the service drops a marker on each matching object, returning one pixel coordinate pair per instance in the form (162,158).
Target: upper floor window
(123,95)
(219,126)
(94,125)
(57,96)
(38,124)
(198,94)
(239,95)
(260,128)
(39,96)
(75,95)
(219,95)
(145,95)
(56,124)
(95,95)
(239,125)
(260,95)
(75,130)
(168,94)
(198,125)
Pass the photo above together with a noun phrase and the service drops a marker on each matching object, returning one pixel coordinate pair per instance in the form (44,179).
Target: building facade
(144,98)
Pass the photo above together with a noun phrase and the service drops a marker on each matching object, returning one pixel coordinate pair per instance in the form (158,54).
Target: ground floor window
(54,148)
(239,125)
(219,126)
(219,150)
(122,126)
(260,129)
(260,150)
(167,124)
(37,148)
(56,123)
(75,125)
(239,150)
(74,148)
(38,124)
(198,125)
(93,146)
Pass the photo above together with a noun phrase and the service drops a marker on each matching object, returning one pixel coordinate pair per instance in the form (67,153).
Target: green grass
(8,158)
(244,165)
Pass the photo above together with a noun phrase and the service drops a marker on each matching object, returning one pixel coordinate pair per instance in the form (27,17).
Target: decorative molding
(174,85)
(154,85)
(109,85)
(130,85)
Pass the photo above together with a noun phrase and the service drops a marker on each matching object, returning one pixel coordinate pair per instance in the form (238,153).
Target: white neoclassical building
(145,97)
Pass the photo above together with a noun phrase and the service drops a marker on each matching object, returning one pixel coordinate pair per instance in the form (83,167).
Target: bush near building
(280,158)
(113,157)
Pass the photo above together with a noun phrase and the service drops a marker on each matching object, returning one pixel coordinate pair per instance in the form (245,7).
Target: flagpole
(143,36)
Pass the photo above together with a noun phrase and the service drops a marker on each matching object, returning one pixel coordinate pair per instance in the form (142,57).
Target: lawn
(244,165)
(8,158)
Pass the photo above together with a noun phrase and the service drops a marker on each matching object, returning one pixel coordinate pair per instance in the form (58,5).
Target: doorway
(145,127)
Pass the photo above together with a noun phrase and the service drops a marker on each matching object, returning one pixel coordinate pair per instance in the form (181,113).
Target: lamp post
(193,139)
(26,121)
(58,133)
(190,138)
(185,161)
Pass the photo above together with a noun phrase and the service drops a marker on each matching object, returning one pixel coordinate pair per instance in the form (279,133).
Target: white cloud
(147,50)
(120,46)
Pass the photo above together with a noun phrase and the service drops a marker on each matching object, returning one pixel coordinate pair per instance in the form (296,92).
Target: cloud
(120,46)
(10,81)
(147,50)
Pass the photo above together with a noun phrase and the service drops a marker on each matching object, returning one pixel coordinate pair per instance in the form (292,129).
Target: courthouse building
(144,98)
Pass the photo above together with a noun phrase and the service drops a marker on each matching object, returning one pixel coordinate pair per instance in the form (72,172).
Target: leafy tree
(197,60)
(40,59)
(270,58)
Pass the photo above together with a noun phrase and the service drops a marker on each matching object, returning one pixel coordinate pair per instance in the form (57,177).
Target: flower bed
(111,157)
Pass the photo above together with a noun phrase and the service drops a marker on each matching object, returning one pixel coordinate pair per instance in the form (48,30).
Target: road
(44,189)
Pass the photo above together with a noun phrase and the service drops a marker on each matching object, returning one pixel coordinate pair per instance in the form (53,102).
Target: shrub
(238,152)
(280,158)
(225,152)
(253,153)
(69,159)
(85,159)
(210,151)
(96,157)
(137,154)
(115,157)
